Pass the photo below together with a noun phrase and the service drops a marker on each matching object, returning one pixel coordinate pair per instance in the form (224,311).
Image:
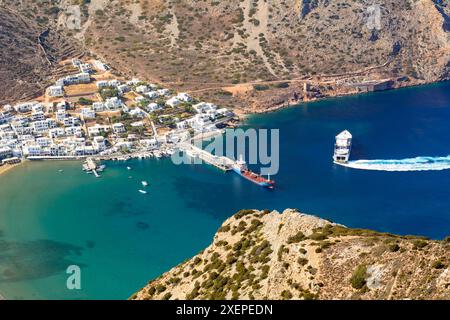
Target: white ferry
(342,147)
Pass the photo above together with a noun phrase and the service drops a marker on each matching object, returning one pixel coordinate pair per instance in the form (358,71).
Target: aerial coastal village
(94,113)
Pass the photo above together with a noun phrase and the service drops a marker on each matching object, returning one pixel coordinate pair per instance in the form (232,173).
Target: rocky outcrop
(268,255)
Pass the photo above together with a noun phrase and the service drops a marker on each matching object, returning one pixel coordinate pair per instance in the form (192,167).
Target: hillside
(268,255)
(257,54)
(26,67)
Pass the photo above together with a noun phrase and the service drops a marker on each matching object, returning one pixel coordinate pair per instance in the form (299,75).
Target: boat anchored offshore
(143,191)
(342,147)
(240,167)
(144,183)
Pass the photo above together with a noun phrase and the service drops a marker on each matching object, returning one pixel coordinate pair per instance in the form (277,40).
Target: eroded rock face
(290,255)
(26,68)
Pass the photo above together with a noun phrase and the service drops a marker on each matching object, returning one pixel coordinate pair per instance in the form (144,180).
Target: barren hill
(268,255)
(29,56)
(257,54)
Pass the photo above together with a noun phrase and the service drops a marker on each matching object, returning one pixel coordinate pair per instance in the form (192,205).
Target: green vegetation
(109,93)
(85,102)
(302,261)
(358,279)
(393,247)
(419,244)
(438,264)
(296,238)
(286,295)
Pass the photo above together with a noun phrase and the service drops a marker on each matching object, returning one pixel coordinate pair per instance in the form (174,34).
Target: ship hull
(264,184)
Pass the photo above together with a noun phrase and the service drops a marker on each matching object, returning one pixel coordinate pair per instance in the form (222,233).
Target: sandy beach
(8,167)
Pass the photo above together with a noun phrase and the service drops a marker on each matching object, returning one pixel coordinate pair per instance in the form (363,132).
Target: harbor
(186,204)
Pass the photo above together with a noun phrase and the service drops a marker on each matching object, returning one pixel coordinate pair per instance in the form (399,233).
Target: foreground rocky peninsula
(268,255)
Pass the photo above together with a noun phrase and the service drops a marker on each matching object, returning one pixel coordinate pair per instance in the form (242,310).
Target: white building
(142,89)
(173,102)
(87,113)
(56,132)
(113,103)
(102,84)
(24,107)
(56,91)
(99,143)
(98,130)
(61,115)
(118,128)
(40,126)
(152,107)
(98,106)
(5,152)
(152,95)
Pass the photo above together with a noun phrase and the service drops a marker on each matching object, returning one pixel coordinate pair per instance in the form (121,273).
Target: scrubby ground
(268,255)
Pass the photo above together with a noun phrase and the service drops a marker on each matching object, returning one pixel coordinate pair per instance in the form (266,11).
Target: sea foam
(411,164)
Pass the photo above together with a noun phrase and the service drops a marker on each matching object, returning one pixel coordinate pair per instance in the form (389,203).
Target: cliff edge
(268,255)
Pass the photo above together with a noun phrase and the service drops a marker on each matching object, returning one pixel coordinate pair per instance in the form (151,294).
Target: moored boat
(240,167)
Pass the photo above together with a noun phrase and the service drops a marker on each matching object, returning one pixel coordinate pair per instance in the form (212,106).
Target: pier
(222,163)
(91,166)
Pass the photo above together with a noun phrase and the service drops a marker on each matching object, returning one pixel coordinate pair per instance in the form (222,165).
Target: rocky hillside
(268,255)
(28,57)
(256,54)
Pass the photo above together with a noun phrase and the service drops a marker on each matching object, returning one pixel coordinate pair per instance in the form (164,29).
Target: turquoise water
(121,238)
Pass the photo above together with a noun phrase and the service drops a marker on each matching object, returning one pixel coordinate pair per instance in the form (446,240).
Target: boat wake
(412,164)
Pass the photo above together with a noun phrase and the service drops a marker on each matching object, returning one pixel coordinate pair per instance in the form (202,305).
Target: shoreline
(6,168)
(290,104)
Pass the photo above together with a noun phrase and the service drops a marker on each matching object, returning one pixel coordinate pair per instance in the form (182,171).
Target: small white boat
(145,183)
(61,170)
(143,191)
(128,168)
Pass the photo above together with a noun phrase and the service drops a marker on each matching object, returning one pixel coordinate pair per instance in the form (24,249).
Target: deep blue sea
(121,239)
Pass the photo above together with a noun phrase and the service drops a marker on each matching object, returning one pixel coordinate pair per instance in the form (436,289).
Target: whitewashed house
(87,113)
(37,116)
(56,133)
(113,103)
(152,95)
(173,102)
(24,107)
(56,91)
(61,115)
(152,107)
(102,84)
(142,89)
(99,143)
(98,106)
(163,92)
(40,127)
(98,129)
(118,128)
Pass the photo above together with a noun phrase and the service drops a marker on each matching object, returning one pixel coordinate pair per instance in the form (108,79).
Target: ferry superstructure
(343,147)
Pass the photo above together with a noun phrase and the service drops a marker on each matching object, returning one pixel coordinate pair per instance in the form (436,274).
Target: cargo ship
(240,167)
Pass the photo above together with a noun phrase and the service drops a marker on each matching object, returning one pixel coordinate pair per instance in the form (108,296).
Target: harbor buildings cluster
(92,113)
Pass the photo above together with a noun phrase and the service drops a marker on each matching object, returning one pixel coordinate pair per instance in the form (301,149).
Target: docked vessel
(240,167)
(342,147)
